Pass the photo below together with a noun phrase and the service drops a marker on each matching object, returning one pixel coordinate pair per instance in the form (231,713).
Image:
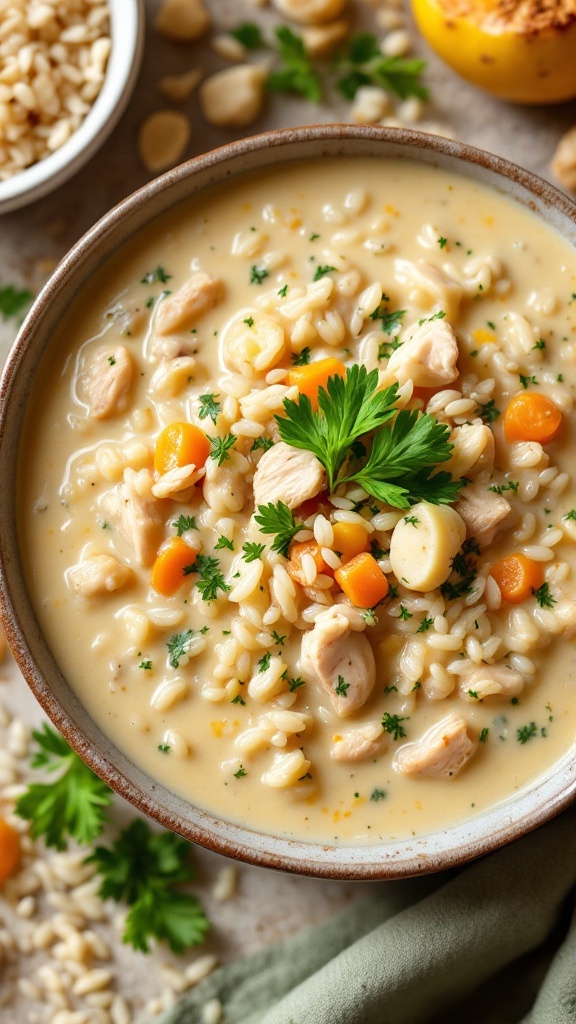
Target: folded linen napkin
(489,944)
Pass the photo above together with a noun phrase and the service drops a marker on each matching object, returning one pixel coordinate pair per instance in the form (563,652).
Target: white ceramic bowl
(522,811)
(127,31)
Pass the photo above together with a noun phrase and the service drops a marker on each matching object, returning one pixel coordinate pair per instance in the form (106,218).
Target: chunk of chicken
(340,661)
(491,681)
(429,287)
(178,312)
(473,450)
(357,744)
(225,487)
(483,511)
(98,574)
(139,520)
(442,750)
(428,357)
(287,474)
(106,380)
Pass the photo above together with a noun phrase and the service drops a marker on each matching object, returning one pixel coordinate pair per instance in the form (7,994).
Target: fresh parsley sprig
(14,301)
(363,64)
(278,519)
(401,466)
(348,408)
(211,579)
(296,73)
(143,869)
(74,804)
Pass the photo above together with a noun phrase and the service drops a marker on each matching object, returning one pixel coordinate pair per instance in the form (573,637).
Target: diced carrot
(482,337)
(362,581)
(168,570)
(350,539)
(180,444)
(308,379)
(517,576)
(532,417)
(10,850)
(297,552)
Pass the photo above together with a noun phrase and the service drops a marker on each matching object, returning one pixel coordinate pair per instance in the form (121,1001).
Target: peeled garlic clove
(310,12)
(179,87)
(162,139)
(182,20)
(423,545)
(233,98)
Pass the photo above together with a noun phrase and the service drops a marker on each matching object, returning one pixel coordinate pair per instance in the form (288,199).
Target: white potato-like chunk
(473,450)
(310,12)
(252,342)
(182,20)
(357,744)
(338,660)
(423,545)
(287,474)
(162,139)
(483,512)
(99,574)
(491,681)
(428,358)
(233,98)
(442,751)
(179,311)
(139,520)
(106,380)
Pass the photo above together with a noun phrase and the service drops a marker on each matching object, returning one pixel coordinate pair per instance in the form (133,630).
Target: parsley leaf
(13,301)
(72,804)
(252,551)
(249,35)
(543,596)
(262,442)
(278,519)
(279,638)
(296,73)
(363,64)
(525,381)
(342,687)
(143,868)
(348,408)
(301,358)
(377,794)
(296,683)
(156,275)
(222,543)
(221,448)
(425,625)
(258,274)
(488,412)
(209,407)
(391,724)
(321,271)
(211,579)
(399,469)
(526,732)
(178,648)
(184,523)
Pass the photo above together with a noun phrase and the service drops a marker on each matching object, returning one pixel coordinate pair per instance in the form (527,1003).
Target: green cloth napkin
(489,944)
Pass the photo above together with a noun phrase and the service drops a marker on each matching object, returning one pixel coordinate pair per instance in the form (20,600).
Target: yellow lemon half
(520,50)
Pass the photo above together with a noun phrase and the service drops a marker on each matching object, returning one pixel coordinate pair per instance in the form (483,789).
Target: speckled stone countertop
(268,906)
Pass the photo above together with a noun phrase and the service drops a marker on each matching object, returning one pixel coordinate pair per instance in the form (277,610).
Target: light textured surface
(31,239)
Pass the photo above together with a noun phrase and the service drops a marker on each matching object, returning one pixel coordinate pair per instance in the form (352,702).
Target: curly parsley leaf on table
(363,64)
(73,805)
(143,869)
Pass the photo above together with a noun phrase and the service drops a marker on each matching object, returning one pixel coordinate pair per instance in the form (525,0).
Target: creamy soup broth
(379,237)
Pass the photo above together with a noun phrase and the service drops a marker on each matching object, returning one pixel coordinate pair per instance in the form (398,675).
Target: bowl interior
(127,32)
(517,815)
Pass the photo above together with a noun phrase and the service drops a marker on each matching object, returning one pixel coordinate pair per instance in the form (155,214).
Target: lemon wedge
(520,50)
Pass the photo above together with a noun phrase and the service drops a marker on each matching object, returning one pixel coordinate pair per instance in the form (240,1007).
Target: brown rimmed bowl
(521,812)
